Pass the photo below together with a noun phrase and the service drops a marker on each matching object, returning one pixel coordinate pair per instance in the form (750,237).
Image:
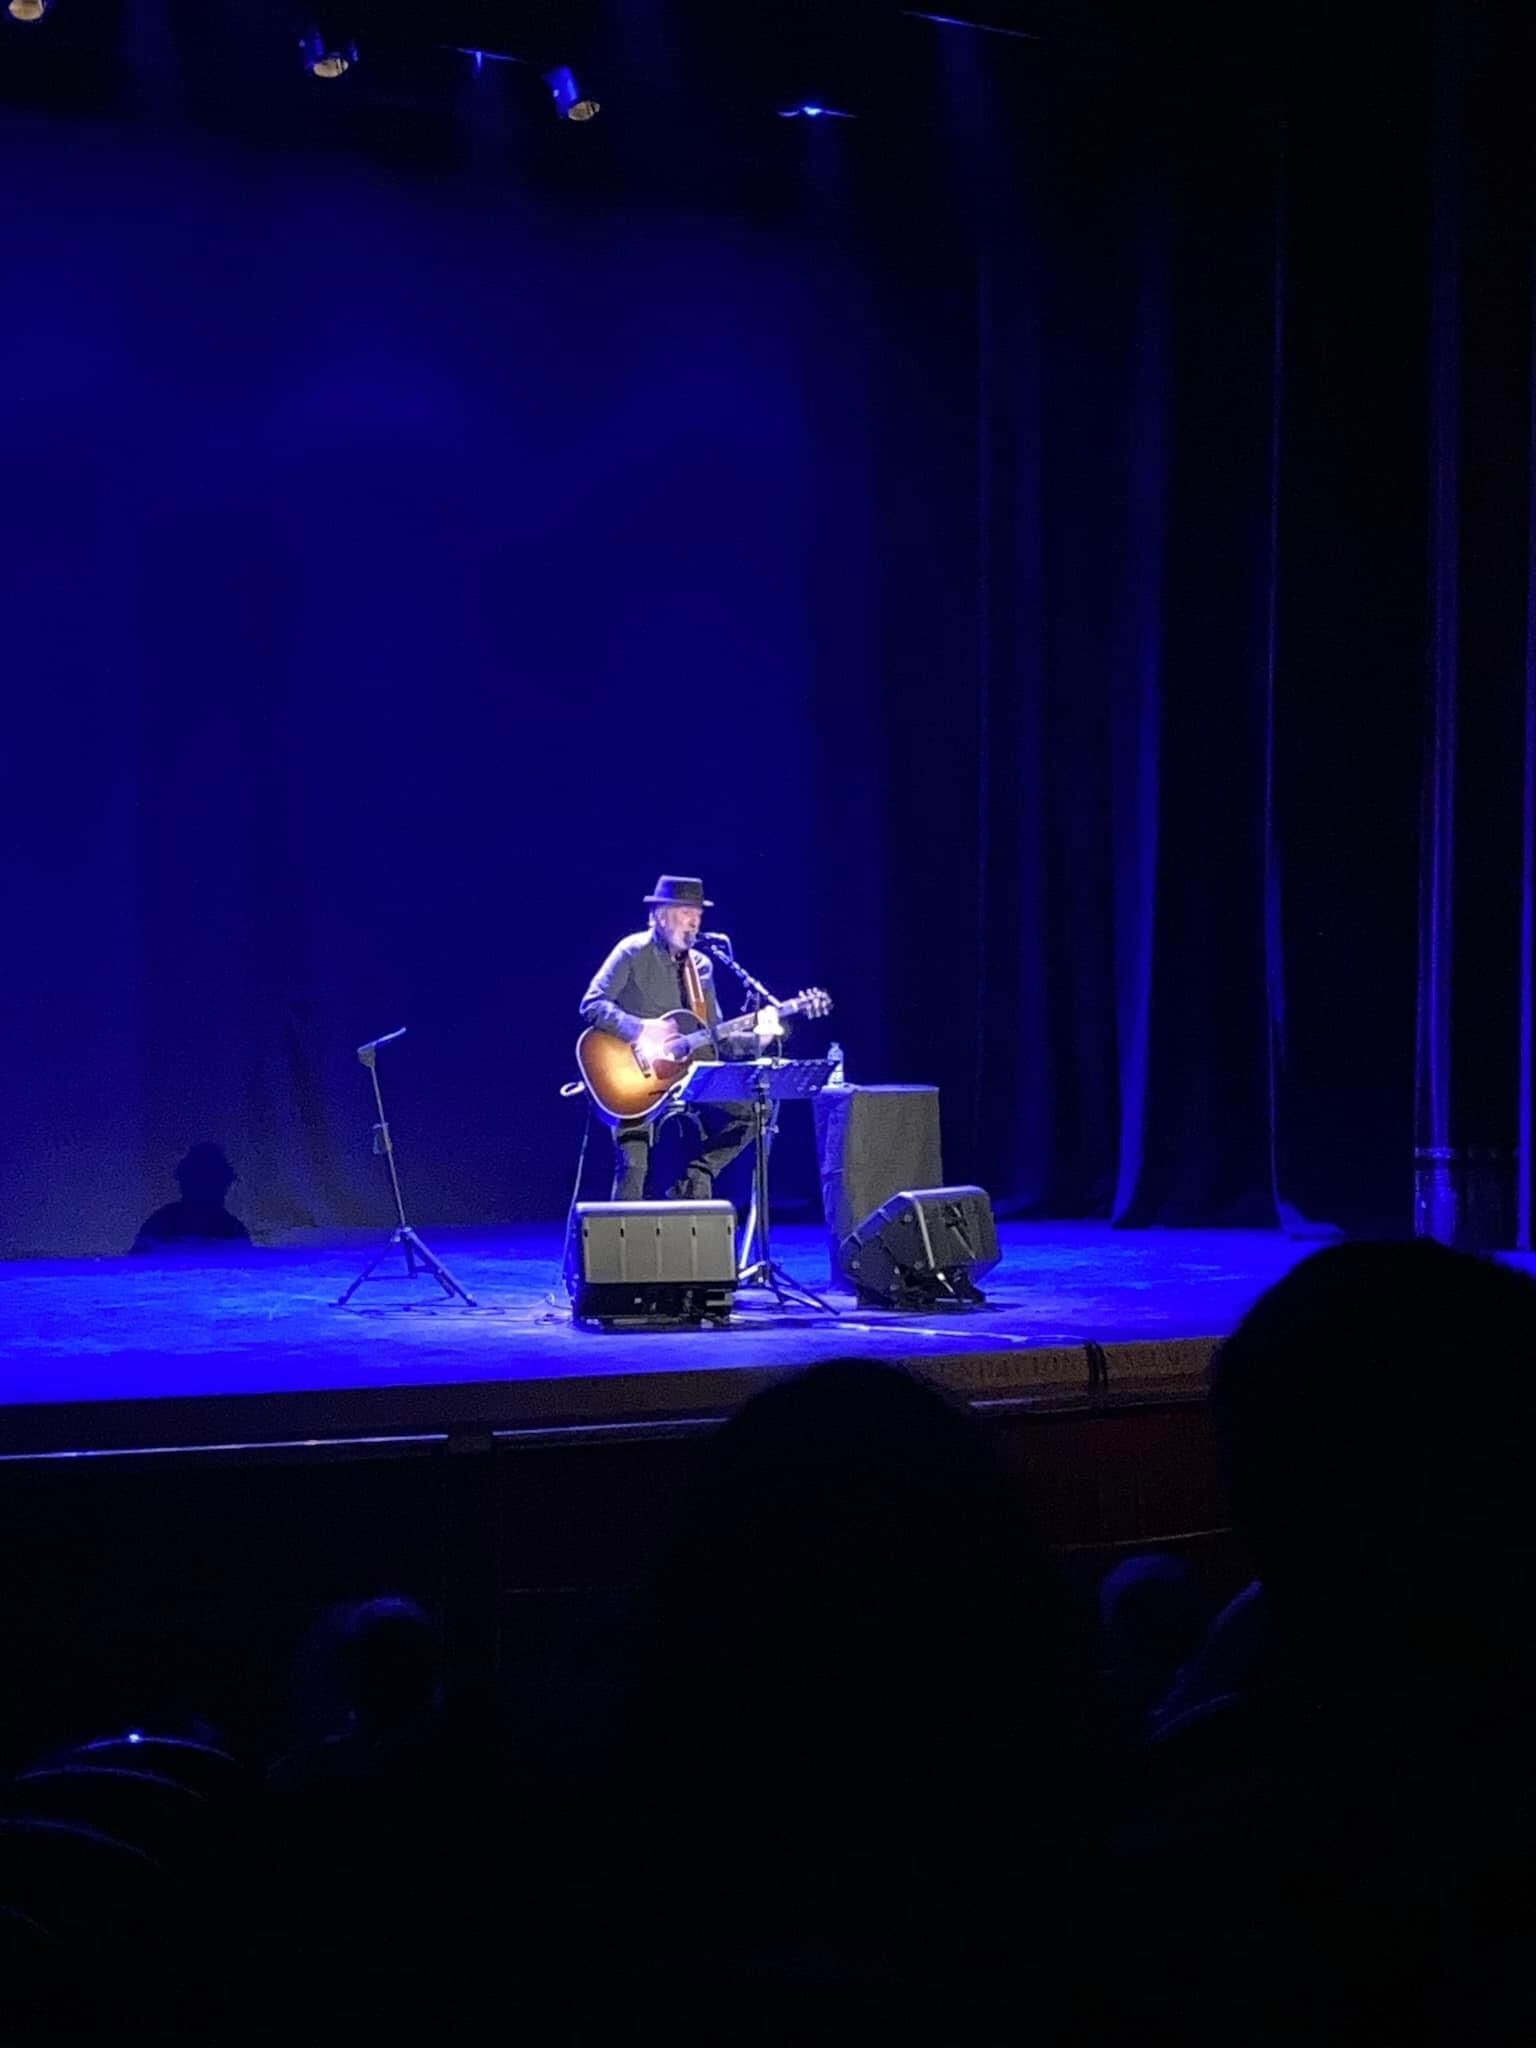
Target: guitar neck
(734,1024)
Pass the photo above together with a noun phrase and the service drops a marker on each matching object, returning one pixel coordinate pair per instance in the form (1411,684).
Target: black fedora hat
(682,889)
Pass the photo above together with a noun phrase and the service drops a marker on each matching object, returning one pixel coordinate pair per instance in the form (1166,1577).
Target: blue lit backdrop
(975,541)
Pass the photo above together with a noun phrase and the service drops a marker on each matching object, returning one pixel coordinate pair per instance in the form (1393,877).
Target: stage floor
(248,1347)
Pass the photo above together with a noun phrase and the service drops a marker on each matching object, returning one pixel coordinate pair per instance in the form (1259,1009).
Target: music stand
(418,1256)
(760,1084)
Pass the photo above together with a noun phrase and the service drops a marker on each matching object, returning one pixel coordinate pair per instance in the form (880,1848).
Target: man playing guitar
(646,976)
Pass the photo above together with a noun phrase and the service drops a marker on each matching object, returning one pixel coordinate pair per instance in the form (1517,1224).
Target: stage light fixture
(27,10)
(570,104)
(812,110)
(325,55)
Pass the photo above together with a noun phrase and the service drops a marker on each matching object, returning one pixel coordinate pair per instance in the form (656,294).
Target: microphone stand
(718,946)
(417,1255)
(764,1271)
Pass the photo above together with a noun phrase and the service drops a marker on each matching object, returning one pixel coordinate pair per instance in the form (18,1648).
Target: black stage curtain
(1055,554)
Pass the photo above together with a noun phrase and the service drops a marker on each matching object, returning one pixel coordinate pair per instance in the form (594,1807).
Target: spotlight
(812,110)
(324,57)
(26,10)
(566,94)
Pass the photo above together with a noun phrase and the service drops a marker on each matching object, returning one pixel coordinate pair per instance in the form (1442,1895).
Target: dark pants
(714,1137)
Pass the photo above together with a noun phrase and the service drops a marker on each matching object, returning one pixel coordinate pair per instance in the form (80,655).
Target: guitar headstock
(811,1002)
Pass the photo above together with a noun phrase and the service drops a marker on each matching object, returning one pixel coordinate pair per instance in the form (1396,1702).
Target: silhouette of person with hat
(205,1178)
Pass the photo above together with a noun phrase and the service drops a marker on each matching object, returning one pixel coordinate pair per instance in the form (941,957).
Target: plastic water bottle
(835,1061)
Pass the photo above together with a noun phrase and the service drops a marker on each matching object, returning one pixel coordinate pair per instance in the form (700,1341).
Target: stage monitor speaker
(651,1265)
(924,1248)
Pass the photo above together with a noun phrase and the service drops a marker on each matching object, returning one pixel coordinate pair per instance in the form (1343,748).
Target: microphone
(720,940)
(374,1043)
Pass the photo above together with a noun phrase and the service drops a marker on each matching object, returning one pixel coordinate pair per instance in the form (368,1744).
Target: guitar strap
(693,988)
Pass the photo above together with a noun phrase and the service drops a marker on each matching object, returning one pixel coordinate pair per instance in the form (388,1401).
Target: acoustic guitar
(630,1083)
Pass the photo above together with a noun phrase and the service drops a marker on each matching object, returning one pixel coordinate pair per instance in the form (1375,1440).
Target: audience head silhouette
(1343,1800)
(387,1663)
(849,1517)
(856,1640)
(1375,1409)
(1151,1618)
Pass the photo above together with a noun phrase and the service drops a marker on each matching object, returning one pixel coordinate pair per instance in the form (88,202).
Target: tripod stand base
(419,1258)
(770,1274)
